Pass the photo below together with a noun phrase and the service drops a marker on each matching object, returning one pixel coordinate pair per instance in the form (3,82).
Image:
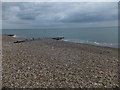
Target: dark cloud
(46,13)
(89,18)
(26,16)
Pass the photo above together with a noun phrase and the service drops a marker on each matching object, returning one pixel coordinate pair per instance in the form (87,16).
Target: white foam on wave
(65,40)
(111,44)
(97,43)
(14,36)
(93,43)
(75,41)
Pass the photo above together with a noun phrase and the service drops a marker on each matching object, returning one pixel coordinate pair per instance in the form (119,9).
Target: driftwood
(19,41)
(58,38)
(26,40)
(10,35)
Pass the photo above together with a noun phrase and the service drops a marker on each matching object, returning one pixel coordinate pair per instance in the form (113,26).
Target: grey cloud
(26,15)
(47,13)
(89,18)
(100,12)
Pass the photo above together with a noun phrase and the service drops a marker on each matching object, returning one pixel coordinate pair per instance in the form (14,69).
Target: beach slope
(57,64)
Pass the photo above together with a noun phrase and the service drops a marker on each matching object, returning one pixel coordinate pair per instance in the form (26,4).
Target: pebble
(69,65)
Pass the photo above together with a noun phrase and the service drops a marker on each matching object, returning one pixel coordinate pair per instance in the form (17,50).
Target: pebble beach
(48,63)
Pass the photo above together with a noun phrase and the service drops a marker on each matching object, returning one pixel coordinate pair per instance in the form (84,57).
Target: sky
(29,15)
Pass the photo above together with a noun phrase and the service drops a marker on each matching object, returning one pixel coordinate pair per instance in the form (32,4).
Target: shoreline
(65,40)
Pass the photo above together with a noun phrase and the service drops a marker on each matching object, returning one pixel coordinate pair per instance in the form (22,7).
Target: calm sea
(107,36)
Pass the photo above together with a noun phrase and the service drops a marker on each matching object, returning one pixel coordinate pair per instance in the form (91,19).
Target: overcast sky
(58,15)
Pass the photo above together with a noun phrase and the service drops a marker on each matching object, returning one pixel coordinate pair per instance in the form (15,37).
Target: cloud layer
(69,14)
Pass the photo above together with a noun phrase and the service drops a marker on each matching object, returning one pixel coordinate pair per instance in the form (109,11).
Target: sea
(101,36)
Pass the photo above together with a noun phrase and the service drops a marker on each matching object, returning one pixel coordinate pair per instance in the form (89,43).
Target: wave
(115,45)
